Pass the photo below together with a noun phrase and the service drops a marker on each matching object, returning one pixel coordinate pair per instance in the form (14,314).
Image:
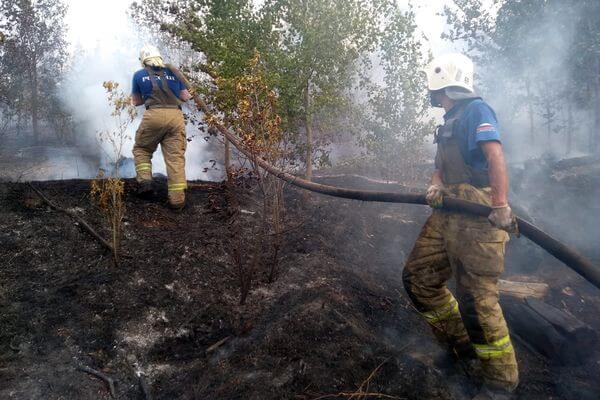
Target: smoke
(534,99)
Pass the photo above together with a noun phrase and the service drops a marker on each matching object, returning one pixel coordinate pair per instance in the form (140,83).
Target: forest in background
(344,76)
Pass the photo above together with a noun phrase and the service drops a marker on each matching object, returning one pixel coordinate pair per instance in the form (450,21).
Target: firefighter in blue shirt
(469,165)
(156,87)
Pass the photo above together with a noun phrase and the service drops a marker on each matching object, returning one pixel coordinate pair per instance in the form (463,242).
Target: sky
(97,23)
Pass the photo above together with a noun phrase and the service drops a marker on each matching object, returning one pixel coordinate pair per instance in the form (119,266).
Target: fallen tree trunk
(559,250)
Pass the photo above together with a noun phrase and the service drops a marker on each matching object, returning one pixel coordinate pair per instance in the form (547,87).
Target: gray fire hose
(562,252)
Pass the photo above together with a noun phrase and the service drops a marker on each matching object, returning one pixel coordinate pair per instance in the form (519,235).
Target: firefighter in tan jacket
(469,165)
(159,90)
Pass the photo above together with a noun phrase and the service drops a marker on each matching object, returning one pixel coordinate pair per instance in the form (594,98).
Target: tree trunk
(595,109)
(594,132)
(530,112)
(569,128)
(549,127)
(34,101)
(309,133)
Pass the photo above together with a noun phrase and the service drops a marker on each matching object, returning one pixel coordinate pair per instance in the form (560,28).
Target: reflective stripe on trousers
(177,187)
(495,349)
(141,167)
(442,313)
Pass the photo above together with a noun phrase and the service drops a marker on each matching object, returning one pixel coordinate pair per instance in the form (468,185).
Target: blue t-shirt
(477,124)
(143,86)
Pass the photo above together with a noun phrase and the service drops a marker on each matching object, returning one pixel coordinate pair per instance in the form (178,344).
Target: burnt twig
(109,381)
(73,215)
(363,391)
(358,395)
(218,344)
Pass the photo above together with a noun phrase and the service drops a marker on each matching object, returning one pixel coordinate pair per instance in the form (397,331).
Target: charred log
(551,332)
(583,335)
(523,290)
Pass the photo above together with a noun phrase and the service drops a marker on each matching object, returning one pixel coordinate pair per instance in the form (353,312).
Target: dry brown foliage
(256,121)
(107,194)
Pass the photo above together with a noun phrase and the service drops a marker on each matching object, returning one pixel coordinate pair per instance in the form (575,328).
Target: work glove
(502,217)
(435,196)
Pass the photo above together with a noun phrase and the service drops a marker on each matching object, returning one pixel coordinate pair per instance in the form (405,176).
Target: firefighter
(469,165)
(156,87)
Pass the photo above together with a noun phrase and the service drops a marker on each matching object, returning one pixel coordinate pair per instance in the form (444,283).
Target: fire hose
(569,256)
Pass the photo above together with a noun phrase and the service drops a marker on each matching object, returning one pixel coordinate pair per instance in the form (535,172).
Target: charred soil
(170,311)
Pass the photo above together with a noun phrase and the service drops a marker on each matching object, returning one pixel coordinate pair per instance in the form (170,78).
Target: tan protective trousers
(473,250)
(164,126)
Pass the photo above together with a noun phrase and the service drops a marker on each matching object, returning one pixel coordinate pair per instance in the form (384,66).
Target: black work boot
(176,207)
(177,201)
(464,350)
(145,189)
(467,359)
(488,393)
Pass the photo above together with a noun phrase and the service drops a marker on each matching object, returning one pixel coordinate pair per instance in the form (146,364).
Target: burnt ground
(336,312)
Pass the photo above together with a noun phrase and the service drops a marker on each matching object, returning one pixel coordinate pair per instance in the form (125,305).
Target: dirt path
(336,312)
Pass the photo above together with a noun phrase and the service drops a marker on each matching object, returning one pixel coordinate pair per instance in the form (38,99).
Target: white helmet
(150,56)
(450,70)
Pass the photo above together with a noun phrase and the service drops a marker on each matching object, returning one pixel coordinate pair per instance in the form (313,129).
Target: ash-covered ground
(336,312)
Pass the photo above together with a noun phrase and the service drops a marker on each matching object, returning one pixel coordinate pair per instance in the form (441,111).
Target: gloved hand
(435,196)
(502,217)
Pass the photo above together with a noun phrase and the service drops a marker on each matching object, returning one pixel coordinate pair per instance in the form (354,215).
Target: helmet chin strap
(434,98)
